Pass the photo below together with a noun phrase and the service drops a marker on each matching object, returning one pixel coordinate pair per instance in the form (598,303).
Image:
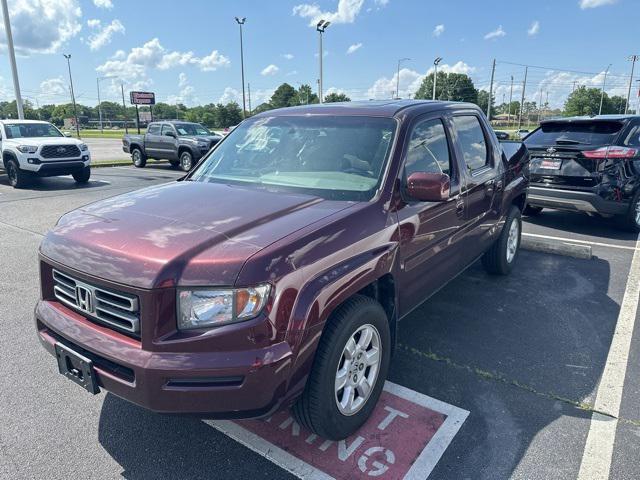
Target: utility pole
(510,99)
(604,82)
(321,27)
(435,75)
(12,59)
(99,104)
(633,59)
(524,87)
(124,107)
(493,71)
(73,97)
(398,77)
(249,91)
(240,22)
(540,105)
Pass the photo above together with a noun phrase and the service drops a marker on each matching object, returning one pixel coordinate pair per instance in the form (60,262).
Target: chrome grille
(115,309)
(60,151)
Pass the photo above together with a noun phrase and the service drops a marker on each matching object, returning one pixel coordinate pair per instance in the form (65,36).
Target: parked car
(31,148)
(522,133)
(182,143)
(502,135)
(587,164)
(275,273)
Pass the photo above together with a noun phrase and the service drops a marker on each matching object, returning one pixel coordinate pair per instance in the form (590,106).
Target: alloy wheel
(512,240)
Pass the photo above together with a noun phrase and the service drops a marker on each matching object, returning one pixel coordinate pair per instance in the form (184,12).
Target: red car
(275,273)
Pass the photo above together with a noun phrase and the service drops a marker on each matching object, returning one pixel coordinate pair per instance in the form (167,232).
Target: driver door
(429,231)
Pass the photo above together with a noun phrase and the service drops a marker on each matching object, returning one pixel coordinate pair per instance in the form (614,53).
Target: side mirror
(170,134)
(429,187)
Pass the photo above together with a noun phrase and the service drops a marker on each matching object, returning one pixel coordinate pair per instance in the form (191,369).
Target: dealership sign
(142,98)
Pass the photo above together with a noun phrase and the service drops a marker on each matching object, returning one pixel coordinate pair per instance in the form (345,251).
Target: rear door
(429,240)
(152,139)
(169,142)
(573,154)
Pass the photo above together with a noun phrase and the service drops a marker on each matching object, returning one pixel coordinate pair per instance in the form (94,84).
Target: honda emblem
(84,299)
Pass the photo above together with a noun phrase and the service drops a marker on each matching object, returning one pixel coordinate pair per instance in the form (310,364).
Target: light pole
(321,27)
(12,59)
(510,99)
(436,62)
(98,80)
(73,97)
(398,76)
(240,22)
(633,59)
(604,82)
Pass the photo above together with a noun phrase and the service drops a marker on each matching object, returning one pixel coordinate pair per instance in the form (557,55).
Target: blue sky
(188,51)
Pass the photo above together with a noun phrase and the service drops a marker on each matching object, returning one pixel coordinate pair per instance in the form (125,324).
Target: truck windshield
(30,130)
(191,129)
(575,133)
(334,157)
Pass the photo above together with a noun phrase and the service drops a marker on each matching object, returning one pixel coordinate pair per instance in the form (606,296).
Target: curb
(121,163)
(556,247)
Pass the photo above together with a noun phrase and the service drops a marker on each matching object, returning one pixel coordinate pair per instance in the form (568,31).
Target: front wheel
(186,160)
(138,158)
(83,175)
(17,178)
(349,370)
(502,256)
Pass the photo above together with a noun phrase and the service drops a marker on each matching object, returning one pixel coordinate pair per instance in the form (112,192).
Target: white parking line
(598,450)
(584,242)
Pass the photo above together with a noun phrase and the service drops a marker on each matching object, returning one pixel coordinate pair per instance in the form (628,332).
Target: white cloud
(231,95)
(498,32)
(584,4)
(53,86)
(534,28)
(288,56)
(186,95)
(346,12)
(119,55)
(438,30)
(182,79)
(108,4)
(382,3)
(269,70)
(213,61)
(104,34)
(42,26)
(410,81)
(93,23)
(354,48)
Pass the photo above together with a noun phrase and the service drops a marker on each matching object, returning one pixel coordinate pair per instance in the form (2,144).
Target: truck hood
(42,141)
(208,138)
(181,233)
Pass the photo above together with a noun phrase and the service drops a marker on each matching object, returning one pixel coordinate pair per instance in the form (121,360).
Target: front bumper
(36,166)
(573,200)
(236,384)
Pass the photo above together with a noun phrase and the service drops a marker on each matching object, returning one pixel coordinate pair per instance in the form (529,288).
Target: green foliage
(457,87)
(586,101)
(305,95)
(336,97)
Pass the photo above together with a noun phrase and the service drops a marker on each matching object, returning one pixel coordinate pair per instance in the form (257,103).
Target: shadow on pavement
(48,184)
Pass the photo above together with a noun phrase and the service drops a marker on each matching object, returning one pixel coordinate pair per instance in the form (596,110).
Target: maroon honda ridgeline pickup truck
(274,274)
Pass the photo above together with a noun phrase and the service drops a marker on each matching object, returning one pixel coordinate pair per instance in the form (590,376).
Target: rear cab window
(154,129)
(589,132)
(167,128)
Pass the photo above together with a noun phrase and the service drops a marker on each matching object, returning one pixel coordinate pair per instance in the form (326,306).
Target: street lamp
(240,22)
(12,59)
(98,80)
(436,62)
(604,82)
(73,97)
(398,76)
(321,27)
(632,59)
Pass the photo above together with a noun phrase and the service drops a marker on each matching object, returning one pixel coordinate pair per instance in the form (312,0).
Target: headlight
(83,147)
(27,148)
(219,306)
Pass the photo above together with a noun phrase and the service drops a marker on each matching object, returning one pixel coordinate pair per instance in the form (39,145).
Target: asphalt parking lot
(523,354)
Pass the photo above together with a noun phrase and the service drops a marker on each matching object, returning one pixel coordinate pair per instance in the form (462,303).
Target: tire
(531,211)
(502,256)
(318,409)
(186,160)
(17,178)
(83,175)
(631,221)
(139,159)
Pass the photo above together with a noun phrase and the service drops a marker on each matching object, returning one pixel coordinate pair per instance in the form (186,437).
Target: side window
(633,137)
(472,142)
(167,128)
(428,149)
(154,129)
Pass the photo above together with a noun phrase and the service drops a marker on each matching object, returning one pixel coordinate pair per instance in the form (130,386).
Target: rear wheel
(186,160)
(502,255)
(349,370)
(531,211)
(83,175)
(17,178)
(631,221)
(138,158)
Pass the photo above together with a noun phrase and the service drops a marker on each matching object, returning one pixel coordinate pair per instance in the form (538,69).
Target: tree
(305,95)
(284,96)
(618,104)
(336,97)
(483,100)
(456,87)
(586,101)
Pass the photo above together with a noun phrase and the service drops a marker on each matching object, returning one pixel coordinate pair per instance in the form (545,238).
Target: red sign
(404,438)
(142,98)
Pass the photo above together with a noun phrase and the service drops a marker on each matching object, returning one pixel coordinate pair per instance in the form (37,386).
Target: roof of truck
(381,108)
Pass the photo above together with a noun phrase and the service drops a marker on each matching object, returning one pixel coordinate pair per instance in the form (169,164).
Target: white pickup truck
(32,148)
